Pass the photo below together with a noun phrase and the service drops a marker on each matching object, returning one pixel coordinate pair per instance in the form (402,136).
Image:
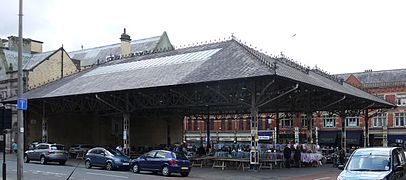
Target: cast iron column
(44,125)
(208,131)
(343,131)
(126,133)
(366,143)
(309,127)
(254,155)
(277,128)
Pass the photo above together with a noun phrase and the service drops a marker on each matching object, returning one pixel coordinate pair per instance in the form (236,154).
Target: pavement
(77,170)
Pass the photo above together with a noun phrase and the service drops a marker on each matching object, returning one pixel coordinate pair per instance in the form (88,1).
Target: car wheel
(184,174)
(165,171)
(62,162)
(109,166)
(136,168)
(26,159)
(88,165)
(43,160)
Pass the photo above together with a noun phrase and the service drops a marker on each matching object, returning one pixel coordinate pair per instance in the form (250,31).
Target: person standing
(14,147)
(287,153)
(298,155)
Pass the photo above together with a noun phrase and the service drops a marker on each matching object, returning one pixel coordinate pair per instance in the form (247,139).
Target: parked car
(166,162)
(79,148)
(387,163)
(106,158)
(45,152)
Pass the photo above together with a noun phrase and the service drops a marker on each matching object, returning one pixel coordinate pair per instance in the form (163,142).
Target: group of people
(297,153)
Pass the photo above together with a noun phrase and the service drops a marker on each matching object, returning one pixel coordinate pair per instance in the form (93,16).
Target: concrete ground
(35,171)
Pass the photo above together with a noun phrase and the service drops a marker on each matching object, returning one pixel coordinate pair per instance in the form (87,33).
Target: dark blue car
(107,158)
(166,162)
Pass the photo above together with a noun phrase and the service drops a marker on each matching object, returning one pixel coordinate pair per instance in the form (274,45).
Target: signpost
(22,104)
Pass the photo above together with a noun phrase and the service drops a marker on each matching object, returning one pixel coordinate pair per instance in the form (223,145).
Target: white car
(76,149)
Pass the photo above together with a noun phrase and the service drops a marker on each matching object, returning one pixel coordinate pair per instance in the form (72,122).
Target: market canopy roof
(220,62)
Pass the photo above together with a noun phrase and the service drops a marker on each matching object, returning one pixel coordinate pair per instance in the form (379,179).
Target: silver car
(45,153)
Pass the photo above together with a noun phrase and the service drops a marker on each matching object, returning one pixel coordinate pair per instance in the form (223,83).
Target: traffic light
(5,118)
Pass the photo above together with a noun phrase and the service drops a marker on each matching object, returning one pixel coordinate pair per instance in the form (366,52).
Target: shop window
(400,119)
(379,120)
(352,122)
(329,121)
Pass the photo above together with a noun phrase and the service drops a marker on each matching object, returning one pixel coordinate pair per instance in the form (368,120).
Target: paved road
(36,171)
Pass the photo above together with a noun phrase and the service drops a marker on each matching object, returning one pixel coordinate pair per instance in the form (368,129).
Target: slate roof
(385,76)
(211,62)
(29,60)
(90,56)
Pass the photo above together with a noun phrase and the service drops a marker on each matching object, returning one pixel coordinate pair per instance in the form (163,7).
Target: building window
(400,119)
(329,121)
(189,123)
(260,123)
(401,100)
(223,124)
(352,122)
(287,123)
(195,124)
(241,124)
(379,120)
(305,121)
(230,124)
(268,122)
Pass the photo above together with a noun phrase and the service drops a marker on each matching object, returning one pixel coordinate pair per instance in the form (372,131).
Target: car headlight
(340,178)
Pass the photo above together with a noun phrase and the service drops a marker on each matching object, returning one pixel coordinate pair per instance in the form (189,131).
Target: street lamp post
(20,120)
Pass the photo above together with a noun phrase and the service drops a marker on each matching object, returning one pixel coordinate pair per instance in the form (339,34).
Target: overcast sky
(337,36)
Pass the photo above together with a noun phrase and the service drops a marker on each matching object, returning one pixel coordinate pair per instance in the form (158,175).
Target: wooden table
(224,162)
(201,161)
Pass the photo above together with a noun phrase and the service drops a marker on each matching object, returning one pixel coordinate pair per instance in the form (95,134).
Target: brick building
(386,126)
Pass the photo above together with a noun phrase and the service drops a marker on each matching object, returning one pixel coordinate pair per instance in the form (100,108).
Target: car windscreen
(115,152)
(180,155)
(369,163)
(57,147)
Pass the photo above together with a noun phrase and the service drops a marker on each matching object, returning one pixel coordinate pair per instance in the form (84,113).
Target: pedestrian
(287,153)
(14,147)
(298,155)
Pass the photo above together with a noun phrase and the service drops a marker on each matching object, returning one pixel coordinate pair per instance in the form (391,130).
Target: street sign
(22,104)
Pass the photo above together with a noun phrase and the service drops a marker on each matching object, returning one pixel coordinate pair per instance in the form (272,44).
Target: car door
(98,157)
(37,152)
(146,162)
(402,159)
(158,160)
(92,156)
(397,174)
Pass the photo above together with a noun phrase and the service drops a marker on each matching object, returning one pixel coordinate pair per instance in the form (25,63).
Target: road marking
(322,178)
(47,173)
(109,175)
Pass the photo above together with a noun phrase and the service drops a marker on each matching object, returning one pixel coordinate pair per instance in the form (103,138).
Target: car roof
(50,144)
(375,151)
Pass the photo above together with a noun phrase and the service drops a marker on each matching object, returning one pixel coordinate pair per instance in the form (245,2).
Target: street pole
(4,152)
(20,120)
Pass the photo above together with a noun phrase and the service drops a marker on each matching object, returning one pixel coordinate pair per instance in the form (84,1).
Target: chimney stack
(125,43)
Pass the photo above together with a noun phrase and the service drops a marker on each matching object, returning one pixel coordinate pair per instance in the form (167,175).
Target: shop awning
(354,137)
(327,137)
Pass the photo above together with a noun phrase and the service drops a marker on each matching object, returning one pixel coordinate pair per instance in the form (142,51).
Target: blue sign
(22,103)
